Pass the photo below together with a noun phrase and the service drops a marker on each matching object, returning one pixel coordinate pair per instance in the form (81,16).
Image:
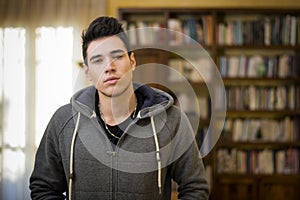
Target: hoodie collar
(152,101)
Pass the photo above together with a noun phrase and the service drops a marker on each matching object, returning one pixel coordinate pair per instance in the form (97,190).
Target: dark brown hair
(102,27)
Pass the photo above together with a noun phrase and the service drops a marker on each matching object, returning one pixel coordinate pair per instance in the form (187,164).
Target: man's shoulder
(62,116)
(175,111)
(63,111)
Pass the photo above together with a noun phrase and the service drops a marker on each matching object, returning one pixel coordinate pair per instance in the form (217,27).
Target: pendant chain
(106,127)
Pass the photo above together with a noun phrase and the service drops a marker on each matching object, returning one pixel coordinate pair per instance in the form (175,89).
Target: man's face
(109,66)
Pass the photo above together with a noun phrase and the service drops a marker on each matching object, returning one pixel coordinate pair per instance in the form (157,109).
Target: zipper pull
(112,153)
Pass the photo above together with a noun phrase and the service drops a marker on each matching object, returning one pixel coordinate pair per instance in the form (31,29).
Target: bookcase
(257,52)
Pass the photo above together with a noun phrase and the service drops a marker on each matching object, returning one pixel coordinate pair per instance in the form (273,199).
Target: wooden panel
(280,189)
(243,189)
(113,5)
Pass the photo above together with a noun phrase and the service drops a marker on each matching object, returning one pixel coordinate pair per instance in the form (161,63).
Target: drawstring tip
(159,190)
(93,115)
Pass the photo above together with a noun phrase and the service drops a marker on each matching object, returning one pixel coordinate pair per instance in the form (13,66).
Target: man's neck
(116,109)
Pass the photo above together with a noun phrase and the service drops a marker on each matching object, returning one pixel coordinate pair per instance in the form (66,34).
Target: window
(12,100)
(54,48)
(52,88)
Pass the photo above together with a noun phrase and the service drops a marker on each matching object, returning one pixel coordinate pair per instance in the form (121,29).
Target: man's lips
(111,80)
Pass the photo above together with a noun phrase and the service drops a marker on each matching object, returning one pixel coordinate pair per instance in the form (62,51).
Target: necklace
(105,125)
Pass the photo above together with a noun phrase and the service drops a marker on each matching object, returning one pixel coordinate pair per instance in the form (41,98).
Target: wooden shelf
(260,81)
(257,145)
(260,46)
(261,113)
(229,176)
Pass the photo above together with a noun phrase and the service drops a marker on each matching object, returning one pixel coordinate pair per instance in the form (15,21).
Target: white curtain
(25,21)
(50,12)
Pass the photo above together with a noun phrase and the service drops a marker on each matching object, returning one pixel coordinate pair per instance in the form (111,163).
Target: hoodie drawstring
(156,148)
(157,154)
(72,155)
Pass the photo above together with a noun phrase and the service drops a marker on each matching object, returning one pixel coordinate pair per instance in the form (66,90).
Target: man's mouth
(111,80)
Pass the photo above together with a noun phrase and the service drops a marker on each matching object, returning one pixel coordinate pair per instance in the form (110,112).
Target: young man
(117,139)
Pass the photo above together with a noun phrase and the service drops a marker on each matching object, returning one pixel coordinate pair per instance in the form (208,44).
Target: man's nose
(109,65)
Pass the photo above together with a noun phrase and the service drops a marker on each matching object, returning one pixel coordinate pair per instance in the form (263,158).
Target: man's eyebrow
(117,51)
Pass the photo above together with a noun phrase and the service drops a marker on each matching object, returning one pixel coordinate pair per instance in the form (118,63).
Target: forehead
(105,45)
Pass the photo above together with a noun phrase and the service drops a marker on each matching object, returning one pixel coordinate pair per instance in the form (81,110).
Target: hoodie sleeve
(188,170)
(48,178)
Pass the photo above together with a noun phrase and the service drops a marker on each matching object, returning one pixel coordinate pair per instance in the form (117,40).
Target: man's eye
(97,61)
(117,56)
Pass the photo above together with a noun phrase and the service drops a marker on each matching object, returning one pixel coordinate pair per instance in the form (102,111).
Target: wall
(114,5)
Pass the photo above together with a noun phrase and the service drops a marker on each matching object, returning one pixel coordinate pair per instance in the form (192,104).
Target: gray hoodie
(76,157)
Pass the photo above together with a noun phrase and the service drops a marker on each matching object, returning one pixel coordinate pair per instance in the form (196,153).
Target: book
(175,25)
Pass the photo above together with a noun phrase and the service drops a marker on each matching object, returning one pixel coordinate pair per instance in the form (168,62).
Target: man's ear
(132,61)
(87,72)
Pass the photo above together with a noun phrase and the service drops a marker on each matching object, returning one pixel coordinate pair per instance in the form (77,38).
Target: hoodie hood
(154,100)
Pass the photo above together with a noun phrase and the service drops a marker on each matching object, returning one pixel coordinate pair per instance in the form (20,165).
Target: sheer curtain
(50,12)
(40,46)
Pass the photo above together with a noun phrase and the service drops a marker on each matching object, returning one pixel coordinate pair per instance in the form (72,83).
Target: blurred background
(40,52)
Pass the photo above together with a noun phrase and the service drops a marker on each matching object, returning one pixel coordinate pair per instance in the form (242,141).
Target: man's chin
(114,91)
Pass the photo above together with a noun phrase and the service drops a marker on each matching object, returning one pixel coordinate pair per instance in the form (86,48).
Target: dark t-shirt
(119,129)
